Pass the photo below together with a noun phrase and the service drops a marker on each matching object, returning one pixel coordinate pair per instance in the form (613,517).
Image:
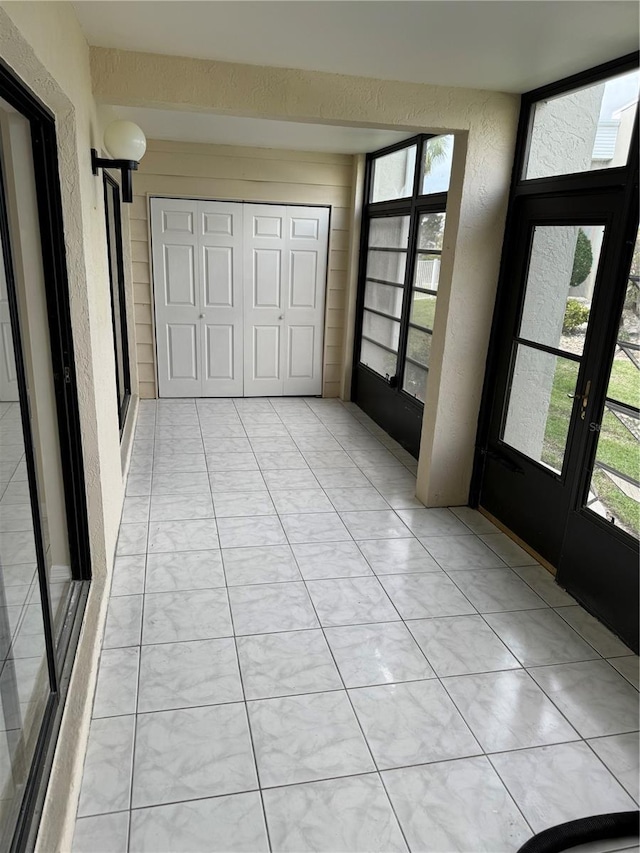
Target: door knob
(202,316)
(281,317)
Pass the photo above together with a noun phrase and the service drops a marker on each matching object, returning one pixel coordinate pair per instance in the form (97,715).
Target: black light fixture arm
(127,167)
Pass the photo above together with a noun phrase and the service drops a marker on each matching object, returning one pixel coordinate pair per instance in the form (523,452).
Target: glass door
(557,460)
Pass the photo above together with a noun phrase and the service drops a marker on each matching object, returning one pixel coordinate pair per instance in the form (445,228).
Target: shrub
(582,260)
(574,316)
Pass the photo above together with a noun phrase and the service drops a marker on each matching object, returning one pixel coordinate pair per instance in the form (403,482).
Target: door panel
(307,240)
(243,287)
(220,237)
(176,273)
(266,272)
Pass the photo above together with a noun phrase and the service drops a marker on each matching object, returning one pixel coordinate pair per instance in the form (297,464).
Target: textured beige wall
(225,172)
(44,45)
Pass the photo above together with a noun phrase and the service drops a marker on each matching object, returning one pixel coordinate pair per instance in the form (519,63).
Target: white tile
(456,806)
(377,654)
(292,478)
(592,695)
(318,560)
(461,552)
(543,582)
(345,500)
(620,754)
(327,743)
(374,525)
(460,645)
(474,520)
(134,509)
(131,540)
(628,666)
(540,637)
(594,632)
(264,564)
(106,781)
(301,500)
(128,575)
(201,614)
(285,664)
(229,824)
(277,461)
(108,833)
(351,601)
(351,815)
(231,462)
(433,522)
(412,723)
(508,550)
(495,590)
(237,504)
(191,535)
(183,570)
(124,619)
(487,702)
(180,484)
(181,507)
(341,478)
(236,481)
(555,784)
(269,608)
(417,596)
(181,675)
(397,556)
(192,753)
(251,531)
(314,527)
(117,686)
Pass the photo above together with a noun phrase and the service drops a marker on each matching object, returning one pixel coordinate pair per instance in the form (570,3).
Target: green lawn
(617,447)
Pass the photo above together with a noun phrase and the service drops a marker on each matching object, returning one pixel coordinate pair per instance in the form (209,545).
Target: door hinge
(67,375)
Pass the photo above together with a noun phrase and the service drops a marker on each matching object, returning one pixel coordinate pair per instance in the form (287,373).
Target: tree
(582,260)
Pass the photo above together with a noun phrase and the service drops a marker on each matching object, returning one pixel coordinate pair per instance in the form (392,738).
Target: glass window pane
(380,329)
(539,408)
(383,297)
(427,271)
(614,491)
(584,130)
(431,231)
(423,309)
(415,381)
(388,266)
(378,359)
(562,271)
(393,175)
(419,346)
(436,164)
(389,232)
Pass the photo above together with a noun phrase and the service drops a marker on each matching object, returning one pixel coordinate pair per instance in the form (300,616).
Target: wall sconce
(126,143)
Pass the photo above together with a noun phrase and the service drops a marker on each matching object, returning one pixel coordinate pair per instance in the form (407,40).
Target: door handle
(281,317)
(201,316)
(584,397)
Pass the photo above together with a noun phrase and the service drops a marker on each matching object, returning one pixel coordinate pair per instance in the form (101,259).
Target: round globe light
(124,140)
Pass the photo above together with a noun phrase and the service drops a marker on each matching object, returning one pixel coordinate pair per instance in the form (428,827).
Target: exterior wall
(223,172)
(43,44)
(484,124)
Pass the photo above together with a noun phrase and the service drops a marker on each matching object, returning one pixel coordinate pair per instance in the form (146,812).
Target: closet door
(177,292)
(220,237)
(266,274)
(307,232)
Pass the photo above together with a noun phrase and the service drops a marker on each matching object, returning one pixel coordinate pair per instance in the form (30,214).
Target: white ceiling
(259,133)
(504,45)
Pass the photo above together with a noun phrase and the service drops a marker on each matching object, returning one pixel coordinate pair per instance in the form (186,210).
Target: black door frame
(620,182)
(50,220)
(395,410)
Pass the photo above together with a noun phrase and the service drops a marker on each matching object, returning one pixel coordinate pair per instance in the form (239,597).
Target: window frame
(413,206)
(117,285)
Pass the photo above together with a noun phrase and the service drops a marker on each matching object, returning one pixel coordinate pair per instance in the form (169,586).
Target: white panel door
(306,247)
(221,236)
(266,274)
(8,378)
(197,274)
(176,273)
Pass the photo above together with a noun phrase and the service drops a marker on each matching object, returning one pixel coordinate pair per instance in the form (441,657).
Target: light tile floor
(299,656)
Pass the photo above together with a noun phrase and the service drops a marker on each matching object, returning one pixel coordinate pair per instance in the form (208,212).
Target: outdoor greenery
(575,315)
(582,260)
(617,447)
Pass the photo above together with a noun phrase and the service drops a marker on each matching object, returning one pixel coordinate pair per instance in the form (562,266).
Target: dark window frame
(50,220)
(117,286)
(412,206)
